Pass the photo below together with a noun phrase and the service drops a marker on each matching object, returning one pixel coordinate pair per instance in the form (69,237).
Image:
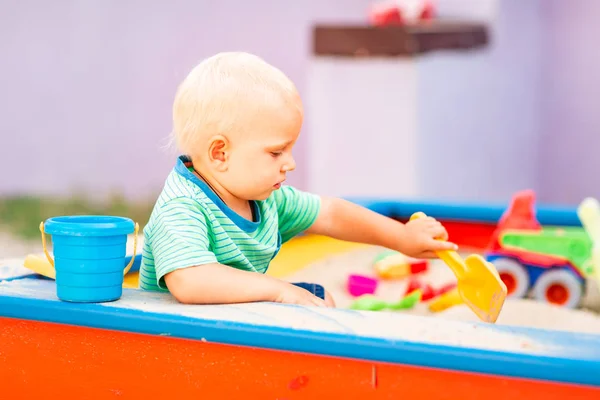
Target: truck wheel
(560,287)
(514,275)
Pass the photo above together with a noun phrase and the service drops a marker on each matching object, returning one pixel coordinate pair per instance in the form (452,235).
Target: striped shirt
(190,226)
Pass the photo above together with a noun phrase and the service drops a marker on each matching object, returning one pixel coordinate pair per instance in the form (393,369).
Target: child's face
(260,157)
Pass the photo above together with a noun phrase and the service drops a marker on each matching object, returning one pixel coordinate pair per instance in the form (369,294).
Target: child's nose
(289,165)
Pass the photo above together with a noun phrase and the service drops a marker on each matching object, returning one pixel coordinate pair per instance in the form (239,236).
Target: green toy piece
(372,303)
(571,244)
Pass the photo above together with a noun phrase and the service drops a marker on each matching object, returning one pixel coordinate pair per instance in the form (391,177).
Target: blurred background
(87,88)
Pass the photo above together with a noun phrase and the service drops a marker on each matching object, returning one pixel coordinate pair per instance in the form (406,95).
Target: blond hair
(220,93)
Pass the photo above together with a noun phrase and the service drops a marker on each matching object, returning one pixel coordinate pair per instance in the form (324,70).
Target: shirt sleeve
(296,210)
(180,238)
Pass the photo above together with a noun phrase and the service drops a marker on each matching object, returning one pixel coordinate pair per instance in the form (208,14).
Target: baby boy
(224,211)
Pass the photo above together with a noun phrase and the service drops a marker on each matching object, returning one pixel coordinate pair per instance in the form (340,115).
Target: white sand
(333,272)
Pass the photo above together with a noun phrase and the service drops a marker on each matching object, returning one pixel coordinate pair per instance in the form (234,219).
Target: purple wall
(570,136)
(87,86)
(480,116)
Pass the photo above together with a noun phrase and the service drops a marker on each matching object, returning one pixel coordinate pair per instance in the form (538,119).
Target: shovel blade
(481,289)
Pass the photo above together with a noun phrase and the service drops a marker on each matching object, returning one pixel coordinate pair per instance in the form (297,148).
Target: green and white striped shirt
(190,226)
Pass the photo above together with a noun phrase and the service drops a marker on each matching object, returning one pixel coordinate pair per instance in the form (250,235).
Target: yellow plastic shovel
(479,284)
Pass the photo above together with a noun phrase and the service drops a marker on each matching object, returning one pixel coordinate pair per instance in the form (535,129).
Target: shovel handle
(450,257)
(455,262)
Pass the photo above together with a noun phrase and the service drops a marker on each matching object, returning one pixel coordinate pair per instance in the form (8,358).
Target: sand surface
(333,272)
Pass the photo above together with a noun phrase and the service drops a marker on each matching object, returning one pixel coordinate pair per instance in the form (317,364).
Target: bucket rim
(89,225)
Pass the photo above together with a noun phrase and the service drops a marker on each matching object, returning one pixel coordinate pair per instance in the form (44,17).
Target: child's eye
(276,153)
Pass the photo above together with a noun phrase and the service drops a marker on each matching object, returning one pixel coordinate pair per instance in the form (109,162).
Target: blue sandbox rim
(467,212)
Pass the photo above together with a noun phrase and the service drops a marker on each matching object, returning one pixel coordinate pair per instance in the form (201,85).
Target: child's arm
(344,220)
(219,284)
(186,266)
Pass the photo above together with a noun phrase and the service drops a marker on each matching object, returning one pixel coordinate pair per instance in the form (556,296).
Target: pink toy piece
(360,284)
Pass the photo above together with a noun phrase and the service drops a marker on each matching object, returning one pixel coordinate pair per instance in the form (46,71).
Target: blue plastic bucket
(89,256)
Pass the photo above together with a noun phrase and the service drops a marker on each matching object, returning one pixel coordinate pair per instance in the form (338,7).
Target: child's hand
(421,238)
(292,294)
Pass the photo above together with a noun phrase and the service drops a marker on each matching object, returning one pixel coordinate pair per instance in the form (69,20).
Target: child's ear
(218,152)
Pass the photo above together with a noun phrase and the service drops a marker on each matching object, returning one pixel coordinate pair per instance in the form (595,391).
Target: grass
(21,216)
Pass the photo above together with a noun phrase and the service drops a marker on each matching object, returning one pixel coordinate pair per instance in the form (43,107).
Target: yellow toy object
(40,266)
(589,215)
(446,300)
(395,265)
(479,284)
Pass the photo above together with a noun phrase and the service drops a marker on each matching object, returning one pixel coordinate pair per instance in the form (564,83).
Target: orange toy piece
(428,291)
(395,265)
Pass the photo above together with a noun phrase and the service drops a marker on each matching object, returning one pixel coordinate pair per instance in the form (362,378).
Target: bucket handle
(125,271)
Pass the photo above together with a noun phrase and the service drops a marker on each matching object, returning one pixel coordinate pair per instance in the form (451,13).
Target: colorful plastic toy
(395,265)
(429,292)
(551,262)
(479,284)
(372,303)
(358,285)
(89,253)
(401,12)
(449,299)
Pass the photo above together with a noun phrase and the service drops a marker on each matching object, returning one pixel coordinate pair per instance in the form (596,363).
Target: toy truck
(549,264)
